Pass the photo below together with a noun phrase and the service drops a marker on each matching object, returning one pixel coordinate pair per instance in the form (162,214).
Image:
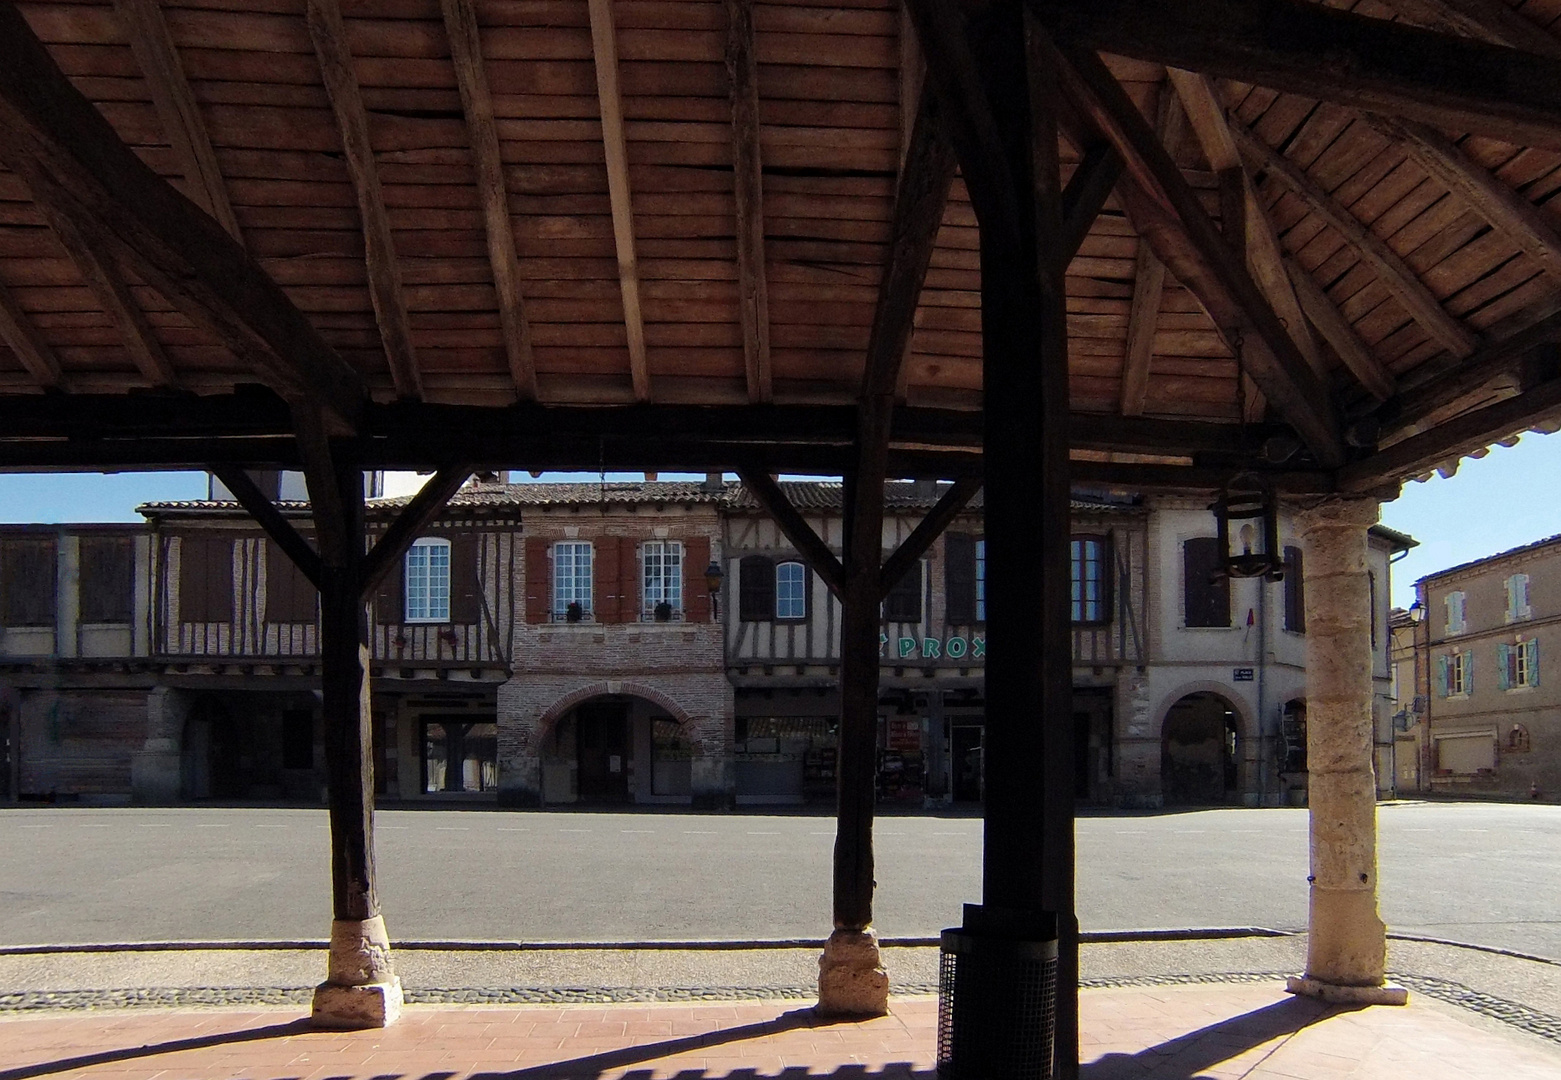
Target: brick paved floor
(1174,1033)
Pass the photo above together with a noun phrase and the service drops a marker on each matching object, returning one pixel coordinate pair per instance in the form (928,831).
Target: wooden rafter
(1337,331)
(824,562)
(1412,405)
(1142,318)
(1489,20)
(269,518)
(1087,191)
(329,35)
(36,355)
(1456,83)
(1506,209)
(604,45)
(158,58)
(1395,275)
(74,163)
(1165,209)
(108,287)
(460,21)
(753,292)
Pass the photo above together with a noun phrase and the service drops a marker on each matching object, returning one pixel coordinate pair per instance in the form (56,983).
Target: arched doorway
(617,748)
(1199,748)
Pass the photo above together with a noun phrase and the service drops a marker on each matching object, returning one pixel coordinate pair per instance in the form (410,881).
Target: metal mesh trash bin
(997,1007)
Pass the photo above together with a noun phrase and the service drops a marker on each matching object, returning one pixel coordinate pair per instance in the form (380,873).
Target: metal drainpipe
(1262,682)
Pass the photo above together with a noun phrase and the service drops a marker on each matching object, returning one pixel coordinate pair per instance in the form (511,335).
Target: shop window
(1205,590)
(903,604)
(1457,612)
(460,756)
(1091,580)
(1455,673)
(206,579)
(428,581)
(791,591)
(572,561)
(755,589)
(662,566)
(1295,594)
(1517,666)
(297,739)
(1517,598)
(107,579)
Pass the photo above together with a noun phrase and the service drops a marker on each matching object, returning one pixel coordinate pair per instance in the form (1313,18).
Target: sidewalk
(1163,1033)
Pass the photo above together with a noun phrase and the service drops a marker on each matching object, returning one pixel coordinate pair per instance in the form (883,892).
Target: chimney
(713,482)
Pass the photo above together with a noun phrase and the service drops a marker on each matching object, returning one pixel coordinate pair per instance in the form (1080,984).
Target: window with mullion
(1089,584)
(663,575)
(572,577)
(980,581)
(791,594)
(428,581)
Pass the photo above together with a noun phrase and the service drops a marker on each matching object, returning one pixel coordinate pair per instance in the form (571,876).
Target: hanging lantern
(1246,517)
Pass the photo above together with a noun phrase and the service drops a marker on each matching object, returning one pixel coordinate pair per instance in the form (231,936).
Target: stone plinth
(360,990)
(851,977)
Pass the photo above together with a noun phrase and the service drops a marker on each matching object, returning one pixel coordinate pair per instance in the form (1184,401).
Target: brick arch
(1205,686)
(554,712)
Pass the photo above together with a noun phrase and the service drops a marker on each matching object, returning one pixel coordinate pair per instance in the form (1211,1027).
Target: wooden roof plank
(158,58)
(329,34)
(1489,20)
(460,20)
(742,66)
(1337,331)
(34,352)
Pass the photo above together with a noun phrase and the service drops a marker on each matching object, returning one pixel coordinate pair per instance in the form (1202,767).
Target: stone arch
(1195,771)
(553,713)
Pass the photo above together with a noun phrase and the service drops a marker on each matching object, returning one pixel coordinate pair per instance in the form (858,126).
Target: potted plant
(574,612)
(663,612)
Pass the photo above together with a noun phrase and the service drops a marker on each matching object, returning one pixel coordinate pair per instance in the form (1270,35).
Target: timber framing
(272,520)
(824,562)
(1088,189)
(753,291)
(36,355)
(412,520)
(329,34)
(928,529)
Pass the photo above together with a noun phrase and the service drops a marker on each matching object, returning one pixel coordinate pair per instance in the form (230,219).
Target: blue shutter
(1504,666)
(1442,675)
(1533,661)
(1468,672)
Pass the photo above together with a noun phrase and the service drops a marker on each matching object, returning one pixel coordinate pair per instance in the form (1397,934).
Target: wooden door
(602,745)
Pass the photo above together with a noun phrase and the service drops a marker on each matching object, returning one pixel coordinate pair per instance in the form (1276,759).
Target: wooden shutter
(27,581)
(290,598)
(959,577)
(465,600)
(1503,666)
(1295,596)
(696,597)
(1533,661)
(903,604)
(107,579)
(755,589)
(1468,672)
(390,597)
(606,588)
(539,596)
(206,579)
(1444,677)
(1206,598)
(631,580)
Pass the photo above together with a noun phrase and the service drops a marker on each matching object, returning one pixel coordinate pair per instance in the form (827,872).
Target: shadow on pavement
(173,1046)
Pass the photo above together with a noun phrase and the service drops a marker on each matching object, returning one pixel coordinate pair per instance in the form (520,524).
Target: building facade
(649,643)
(1487,698)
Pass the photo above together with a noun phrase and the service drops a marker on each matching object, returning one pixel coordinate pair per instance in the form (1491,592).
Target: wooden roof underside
(669,202)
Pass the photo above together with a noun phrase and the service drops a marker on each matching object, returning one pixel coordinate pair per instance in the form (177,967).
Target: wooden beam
(914,546)
(72,161)
(1087,191)
(762,486)
(108,288)
(1396,276)
(158,59)
(321,475)
(1507,210)
(1166,210)
(1488,20)
(1328,54)
(1371,372)
(423,507)
(269,518)
(329,35)
(1138,477)
(1412,405)
(753,293)
(35,354)
(1142,318)
(919,202)
(471,78)
(604,45)
(1454,438)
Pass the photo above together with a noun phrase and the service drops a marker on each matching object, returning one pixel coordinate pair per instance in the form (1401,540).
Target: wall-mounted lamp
(713,576)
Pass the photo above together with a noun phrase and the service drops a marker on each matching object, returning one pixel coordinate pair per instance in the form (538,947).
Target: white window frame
(1518,607)
(422,598)
(980,547)
(1457,676)
(665,586)
(784,613)
(1457,612)
(565,587)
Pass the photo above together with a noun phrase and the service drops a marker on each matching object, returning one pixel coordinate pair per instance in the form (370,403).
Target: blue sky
(1509,497)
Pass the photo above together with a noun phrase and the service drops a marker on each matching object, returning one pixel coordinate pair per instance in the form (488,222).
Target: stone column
(1347,942)
(156,769)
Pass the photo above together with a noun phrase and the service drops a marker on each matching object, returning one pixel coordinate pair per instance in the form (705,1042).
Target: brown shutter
(206,579)
(755,589)
(390,597)
(959,578)
(290,598)
(1295,598)
(1206,598)
(539,596)
(606,588)
(903,604)
(27,581)
(631,582)
(696,597)
(107,579)
(465,602)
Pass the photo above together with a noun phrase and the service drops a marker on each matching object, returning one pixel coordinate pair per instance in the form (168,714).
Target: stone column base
(360,989)
(851,977)
(1334,994)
